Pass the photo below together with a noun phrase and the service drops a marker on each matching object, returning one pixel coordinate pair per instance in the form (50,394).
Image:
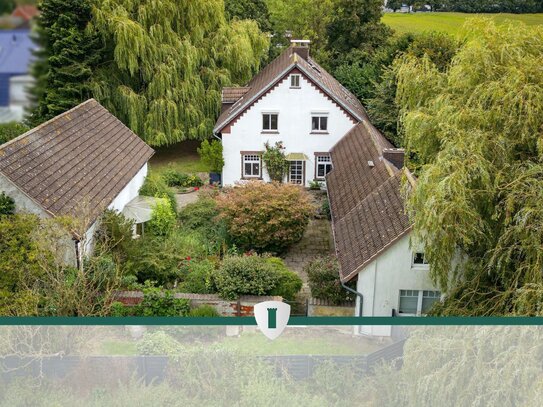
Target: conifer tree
(168,62)
(66,58)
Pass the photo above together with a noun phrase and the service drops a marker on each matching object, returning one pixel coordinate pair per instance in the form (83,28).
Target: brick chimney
(301,47)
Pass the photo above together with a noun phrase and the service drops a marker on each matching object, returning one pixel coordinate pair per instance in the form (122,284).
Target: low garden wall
(321,308)
(243,307)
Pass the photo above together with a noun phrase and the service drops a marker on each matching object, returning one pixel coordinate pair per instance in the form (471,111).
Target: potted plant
(211,155)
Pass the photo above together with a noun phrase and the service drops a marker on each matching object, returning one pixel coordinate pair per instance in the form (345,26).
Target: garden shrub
(265,217)
(159,343)
(245,275)
(199,278)
(202,217)
(158,302)
(323,275)
(114,235)
(175,178)
(8,131)
(211,155)
(289,283)
(204,311)
(163,218)
(7,205)
(162,259)
(155,186)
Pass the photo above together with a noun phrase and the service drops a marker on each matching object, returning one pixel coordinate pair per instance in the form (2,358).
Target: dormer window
(295,81)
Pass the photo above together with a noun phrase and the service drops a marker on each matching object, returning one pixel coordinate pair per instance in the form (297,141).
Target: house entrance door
(296,173)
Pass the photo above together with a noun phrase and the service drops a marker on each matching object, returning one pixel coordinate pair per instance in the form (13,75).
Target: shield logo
(272,317)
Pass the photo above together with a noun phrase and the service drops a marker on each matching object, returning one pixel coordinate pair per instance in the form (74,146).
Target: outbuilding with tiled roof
(77,164)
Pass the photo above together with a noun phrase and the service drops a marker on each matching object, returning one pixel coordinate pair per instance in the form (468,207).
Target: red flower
(187,258)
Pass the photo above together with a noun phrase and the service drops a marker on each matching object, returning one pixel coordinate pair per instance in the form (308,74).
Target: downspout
(77,260)
(358,294)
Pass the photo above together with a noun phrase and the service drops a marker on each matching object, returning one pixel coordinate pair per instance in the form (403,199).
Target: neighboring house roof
(25,11)
(366,202)
(231,95)
(276,70)
(15,52)
(76,163)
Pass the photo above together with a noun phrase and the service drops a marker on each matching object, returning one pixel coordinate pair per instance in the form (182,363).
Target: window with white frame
(294,81)
(419,260)
(324,166)
(319,123)
(251,165)
(296,172)
(417,302)
(270,121)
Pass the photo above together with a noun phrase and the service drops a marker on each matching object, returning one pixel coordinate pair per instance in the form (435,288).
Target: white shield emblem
(272,317)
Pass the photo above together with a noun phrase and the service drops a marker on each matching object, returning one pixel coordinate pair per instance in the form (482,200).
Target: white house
(292,100)
(372,230)
(78,164)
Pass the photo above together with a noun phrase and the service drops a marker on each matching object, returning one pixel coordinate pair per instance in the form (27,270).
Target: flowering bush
(275,161)
(265,217)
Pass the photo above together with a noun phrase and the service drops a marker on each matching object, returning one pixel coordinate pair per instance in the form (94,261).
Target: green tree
(356,25)
(168,62)
(66,60)
(256,10)
(302,19)
(7,6)
(477,129)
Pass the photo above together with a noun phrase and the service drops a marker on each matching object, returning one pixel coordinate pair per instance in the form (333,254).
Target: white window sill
(269,132)
(319,132)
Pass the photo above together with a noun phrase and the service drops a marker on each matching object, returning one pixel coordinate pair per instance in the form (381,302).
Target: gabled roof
(76,162)
(277,70)
(25,11)
(231,95)
(366,202)
(15,52)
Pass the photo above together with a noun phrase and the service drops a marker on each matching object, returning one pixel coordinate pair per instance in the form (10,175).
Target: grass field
(448,22)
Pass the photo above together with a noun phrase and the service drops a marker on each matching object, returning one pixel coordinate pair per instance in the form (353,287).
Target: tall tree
(66,59)
(302,19)
(256,10)
(168,62)
(477,129)
(356,24)
(7,6)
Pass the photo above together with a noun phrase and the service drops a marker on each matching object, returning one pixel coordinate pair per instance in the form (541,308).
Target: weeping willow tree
(477,130)
(168,61)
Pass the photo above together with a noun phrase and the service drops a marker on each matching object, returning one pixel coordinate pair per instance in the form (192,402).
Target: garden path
(185,199)
(317,241)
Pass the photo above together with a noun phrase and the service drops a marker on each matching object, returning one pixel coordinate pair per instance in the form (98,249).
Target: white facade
(295,107)
(129,192)
(382,281)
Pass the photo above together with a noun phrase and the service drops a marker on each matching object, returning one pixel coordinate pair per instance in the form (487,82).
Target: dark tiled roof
(276,70)
(365,198)
(78,161)
(231,95)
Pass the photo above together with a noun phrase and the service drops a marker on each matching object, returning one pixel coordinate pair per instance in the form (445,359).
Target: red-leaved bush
(265,217)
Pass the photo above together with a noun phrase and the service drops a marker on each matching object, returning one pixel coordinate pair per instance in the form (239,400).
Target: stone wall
(244,307)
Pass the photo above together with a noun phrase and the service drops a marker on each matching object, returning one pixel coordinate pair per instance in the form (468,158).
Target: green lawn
(181,156)
(448,22)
